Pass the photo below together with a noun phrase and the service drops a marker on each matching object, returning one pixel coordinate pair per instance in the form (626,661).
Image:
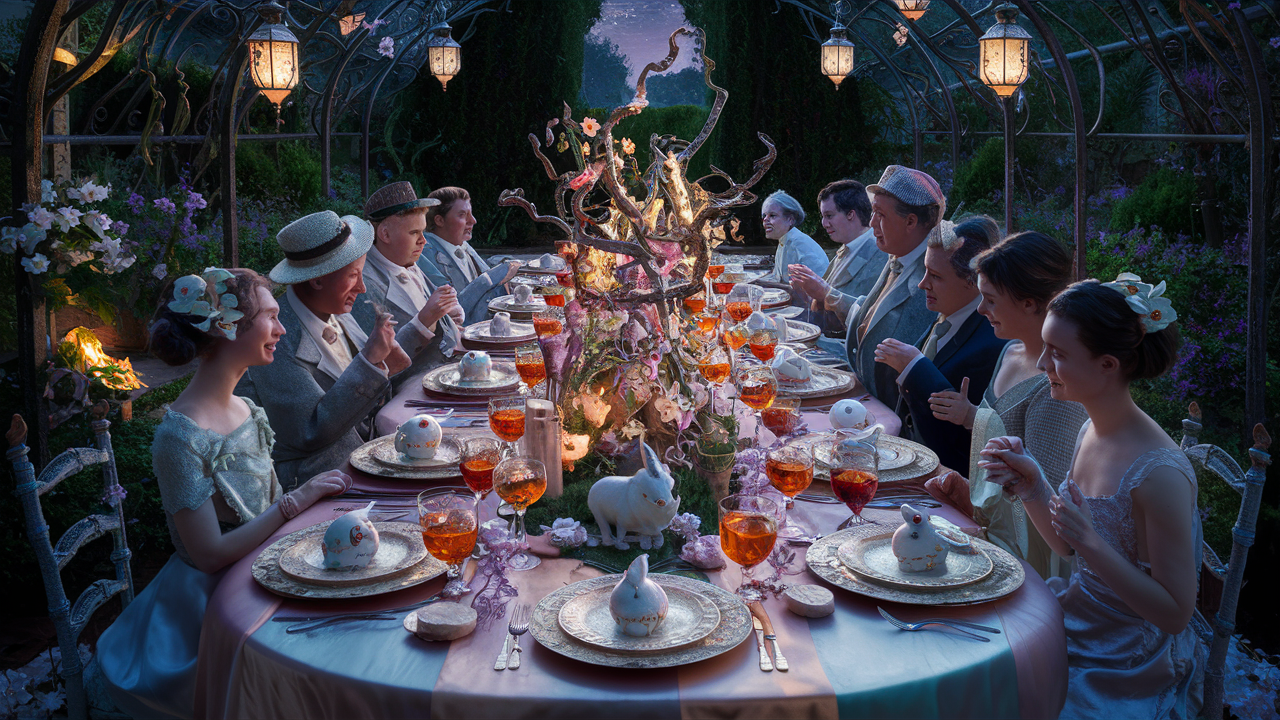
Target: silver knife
(765,663)
(501,664)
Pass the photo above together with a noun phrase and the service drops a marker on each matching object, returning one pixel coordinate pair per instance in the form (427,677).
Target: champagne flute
(855,475)
(757,387)
(748,530)
(449,525)
(520,481)
(506,419)
(548,322)
(790,471)
(530,365)
(783,416)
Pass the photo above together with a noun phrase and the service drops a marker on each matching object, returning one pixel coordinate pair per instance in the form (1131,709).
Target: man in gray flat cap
(906,205)
(328,377)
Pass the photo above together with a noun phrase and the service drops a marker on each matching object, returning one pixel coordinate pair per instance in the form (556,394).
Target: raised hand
(1007,463)
(896,354)
(804,280)
(442,302)
(1072,519)
(954,407)
(381,340)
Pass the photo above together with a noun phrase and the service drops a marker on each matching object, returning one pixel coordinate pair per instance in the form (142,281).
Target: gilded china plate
(893,450)
(447,380)
(823,382)
(734,626)
(398,551)
(267,572)
(480,332)
(691,617)
(775,297)
(801,332)
(363,459)
(519,311)
(447,454)
(873,558)
(892,455)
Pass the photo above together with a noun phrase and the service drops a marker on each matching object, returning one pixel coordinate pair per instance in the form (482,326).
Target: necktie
(329,334)
(931,345)
(895,269)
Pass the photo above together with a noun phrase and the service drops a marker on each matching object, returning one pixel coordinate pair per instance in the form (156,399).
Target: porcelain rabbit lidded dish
(351,541)
(418,438)
(918,546)
(640,505)
(638,605)
(475,366)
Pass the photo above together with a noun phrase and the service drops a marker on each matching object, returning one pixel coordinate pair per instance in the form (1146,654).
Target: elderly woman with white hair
(781,215)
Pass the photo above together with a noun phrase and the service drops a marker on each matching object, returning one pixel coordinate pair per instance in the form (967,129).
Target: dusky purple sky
(641,28)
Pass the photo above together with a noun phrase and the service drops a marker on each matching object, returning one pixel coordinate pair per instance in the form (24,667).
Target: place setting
(521,304)
(498,333)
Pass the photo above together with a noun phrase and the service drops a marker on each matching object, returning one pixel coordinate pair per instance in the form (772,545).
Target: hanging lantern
(273,55)
(837,55)
(1002,53)
(444,54)
(913,9)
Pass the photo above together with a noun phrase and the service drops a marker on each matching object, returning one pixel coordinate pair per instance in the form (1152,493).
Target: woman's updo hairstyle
(174,337)
(1028,266)
(1106,325)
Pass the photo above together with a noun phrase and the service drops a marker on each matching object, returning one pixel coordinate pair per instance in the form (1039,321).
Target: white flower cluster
(69,248)
(1146,300)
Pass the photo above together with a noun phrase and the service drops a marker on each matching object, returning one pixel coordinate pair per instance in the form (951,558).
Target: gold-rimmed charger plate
(266,570)
(447,454)
(774,297)
(923,460)
(733,629)
(398,551)
(824,561)
(363,459)
(893,455)
(447,380)
(481,333)
(872,558)
(823,382)
(518,311)
(691,617)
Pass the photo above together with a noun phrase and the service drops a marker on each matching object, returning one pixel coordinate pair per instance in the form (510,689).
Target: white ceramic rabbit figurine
(918,547)
(638,604)
(640,504)
(351,541)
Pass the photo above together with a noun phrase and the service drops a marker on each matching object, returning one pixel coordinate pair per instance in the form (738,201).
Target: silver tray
(873,558)
(398,551)
(735,626)
(479,333)
(507,304)
(823,382)
(447,454)
(266,570)
(691,617)
(824,561)
(446,380)
(801,332)
(362,459)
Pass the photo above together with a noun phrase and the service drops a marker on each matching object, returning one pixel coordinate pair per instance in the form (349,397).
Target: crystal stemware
(748,530)
(783,416)
(506,419)
(449,525)
(739,302)
(855,475)
(530,365)
(520,481)
(714,365)
(552,296)
(757,387)
(790,471)
(763,342)
(548,322)
(696,302)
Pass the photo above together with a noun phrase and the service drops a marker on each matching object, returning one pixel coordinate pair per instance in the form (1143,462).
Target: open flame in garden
(90,359)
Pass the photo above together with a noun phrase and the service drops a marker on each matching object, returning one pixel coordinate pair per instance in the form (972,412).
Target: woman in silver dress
(1127,509)
(1017,278)
(212,460)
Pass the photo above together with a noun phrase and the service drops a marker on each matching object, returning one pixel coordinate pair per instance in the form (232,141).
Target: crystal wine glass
(696,302)
(553,296)
(757,387)
(548,322)
(506,419)
(783,416)
(790,471)
(763,341)
(530,365)
(855,475)
(449,525)
(738,304)
(520,481)
(714,365)
(748,530)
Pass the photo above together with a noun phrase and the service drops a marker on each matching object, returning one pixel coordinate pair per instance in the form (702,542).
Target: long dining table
(851,664)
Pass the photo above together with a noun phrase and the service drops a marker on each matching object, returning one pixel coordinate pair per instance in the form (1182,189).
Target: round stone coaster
(812,601)
(442,621)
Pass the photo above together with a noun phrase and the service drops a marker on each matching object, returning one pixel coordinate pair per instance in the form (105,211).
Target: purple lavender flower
(120,227)
(166,205)
(194,201)
(136,202)
(1275,42)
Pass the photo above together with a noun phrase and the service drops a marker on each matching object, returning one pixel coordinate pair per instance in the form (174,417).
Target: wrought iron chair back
(1224,579)
(70,619)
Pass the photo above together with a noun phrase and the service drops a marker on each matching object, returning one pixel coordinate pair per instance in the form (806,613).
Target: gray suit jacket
(854,271)
(440,264)
(902,316)
(318,419)
(426,354)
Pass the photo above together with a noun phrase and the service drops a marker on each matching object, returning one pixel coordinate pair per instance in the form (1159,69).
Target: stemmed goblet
(748,530)
(790,471)
(763,342)
(714,365)
(449,525)
(506,419)
(783,416)
(530,365)
(696,302)
(757,387)
(742,301)
(855,475)
(520,481)
(548,322)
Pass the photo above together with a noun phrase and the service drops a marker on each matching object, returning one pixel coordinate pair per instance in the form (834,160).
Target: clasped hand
(1009,464)
(444,301)
(896,354)
(382,348)
(806,282)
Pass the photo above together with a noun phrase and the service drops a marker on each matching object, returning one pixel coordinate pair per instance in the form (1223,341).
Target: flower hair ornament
(1146,300)
(219,311)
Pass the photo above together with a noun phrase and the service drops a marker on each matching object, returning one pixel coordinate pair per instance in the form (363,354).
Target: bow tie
(403,277)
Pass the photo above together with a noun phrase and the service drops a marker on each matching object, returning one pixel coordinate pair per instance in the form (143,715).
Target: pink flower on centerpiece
(668,411)
(590,126)
(628,147)
(586,177)
(387,47)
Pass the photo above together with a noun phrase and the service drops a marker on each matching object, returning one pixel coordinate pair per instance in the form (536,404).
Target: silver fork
(953,624)
(518,626)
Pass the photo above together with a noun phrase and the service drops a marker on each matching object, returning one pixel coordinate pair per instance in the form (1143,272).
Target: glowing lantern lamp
(913,9)
(837,55)
(444,54)
(1002,53)
(273,55)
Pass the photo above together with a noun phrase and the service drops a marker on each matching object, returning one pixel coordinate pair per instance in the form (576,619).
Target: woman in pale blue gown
(212,460)
(1127,509)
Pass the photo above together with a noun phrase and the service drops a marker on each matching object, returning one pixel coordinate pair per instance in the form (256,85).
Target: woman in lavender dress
(1127,509)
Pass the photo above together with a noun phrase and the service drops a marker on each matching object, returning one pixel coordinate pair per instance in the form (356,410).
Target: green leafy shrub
(1164,199)
(982,176)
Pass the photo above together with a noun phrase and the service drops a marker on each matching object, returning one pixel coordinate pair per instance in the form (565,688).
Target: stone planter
(716,469)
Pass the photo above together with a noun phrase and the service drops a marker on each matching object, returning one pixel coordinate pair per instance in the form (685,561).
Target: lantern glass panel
(273,62)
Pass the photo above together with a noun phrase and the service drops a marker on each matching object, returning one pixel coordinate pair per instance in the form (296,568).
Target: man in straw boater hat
(328,377)
(906,206)
(395,283)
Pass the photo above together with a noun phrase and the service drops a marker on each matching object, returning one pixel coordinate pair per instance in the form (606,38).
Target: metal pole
(1009,156)
(227,116)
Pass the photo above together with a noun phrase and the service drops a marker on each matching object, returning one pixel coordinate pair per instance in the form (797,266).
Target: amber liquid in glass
(739,311)
(707,323)
(779,421)
(722,288)
(554,299)
(735,338)
(523,491)
(714,372)
(747,539)
(477,473)
(450,535)
(715,271)
(758,397)
(788,477)
(532,373)
(855,488)
(695,304)
(764,352)
(546,327)
(565,278)
(507,423)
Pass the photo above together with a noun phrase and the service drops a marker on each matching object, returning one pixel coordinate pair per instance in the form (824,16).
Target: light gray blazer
(902,316)
(440,264)
(429,353)
(854,272)
(796,248)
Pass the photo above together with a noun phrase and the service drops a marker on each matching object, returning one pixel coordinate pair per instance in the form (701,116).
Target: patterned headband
(1156,311)
(219,311)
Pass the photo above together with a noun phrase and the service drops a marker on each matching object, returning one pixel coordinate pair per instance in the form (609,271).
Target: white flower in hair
(186,291)
(1145,299)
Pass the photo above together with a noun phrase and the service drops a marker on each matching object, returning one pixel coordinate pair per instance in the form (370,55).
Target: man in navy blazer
(959,350)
